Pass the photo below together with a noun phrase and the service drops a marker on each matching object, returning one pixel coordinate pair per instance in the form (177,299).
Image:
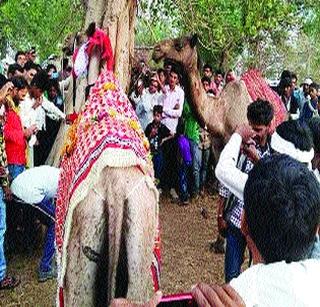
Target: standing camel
(220,114)
(107,205)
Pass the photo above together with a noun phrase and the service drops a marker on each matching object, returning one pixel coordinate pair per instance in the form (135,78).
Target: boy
(310,108)
(157,133)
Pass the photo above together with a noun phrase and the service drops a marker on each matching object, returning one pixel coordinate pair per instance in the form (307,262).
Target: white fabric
(285,147)
(170,100)
(280,284)
(30,116)
(226,170)
(34,184)
(144,108)
(81,62)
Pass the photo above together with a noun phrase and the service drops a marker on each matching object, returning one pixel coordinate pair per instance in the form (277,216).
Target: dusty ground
(186,256)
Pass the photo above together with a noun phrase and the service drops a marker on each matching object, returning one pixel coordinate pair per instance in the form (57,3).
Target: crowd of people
(180,146)
(269,194)
(32,109)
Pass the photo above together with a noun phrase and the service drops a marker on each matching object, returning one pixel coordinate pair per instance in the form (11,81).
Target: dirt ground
(186,234)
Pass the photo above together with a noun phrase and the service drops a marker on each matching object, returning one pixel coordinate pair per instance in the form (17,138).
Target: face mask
(55,75)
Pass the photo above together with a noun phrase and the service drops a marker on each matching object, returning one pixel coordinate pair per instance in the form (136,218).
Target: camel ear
(194,40)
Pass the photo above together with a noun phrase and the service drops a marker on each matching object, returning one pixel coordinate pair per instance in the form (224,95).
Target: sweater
(14,139)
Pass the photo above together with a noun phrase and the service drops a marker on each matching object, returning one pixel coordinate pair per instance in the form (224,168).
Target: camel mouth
(157,56)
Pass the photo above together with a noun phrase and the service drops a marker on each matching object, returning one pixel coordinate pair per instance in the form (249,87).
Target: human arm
(226,170)
(176,111)
(51,110)
(222,225)
(216,296)
(5,90)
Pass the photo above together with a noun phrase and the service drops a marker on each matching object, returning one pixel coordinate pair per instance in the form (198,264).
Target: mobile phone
(178,300)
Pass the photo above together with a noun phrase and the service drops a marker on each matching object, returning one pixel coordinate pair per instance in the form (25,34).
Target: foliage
(44,24)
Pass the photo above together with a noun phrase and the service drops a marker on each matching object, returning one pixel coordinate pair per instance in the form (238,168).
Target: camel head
(182,50)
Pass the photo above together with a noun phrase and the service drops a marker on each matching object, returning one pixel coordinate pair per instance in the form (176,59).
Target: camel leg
(87,243)
(140,226)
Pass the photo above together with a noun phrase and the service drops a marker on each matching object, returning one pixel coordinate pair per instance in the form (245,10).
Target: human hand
(7,193)
(245,132)
(5,90)
(217,296)
(30,131)
(250,151)
(122,302)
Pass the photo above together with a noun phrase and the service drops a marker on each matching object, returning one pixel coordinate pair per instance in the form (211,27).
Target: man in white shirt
(34,110)
(37,187)
(150,98)
(281,222)
(173,99)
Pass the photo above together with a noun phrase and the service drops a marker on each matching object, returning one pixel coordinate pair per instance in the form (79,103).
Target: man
(310,107)
(287,96)
(290,138)
(15,70)
(149,98)
(218,82)
(6,281)
(281,222)
(260,115)
(20,58)
(14,134)
(30,70)
(172,101)
(33,113)
(37,187)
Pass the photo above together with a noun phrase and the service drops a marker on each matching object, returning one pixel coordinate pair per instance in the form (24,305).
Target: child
(157,133)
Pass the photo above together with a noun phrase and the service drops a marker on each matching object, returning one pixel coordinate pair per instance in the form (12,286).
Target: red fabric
(101,39)
(70,118)
(14,139)
(258,88)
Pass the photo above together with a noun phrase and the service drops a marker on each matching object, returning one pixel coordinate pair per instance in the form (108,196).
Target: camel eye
(178,45)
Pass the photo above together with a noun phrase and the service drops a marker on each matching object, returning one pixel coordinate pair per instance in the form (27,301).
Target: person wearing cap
(302,93)
(310,107)
(149,98)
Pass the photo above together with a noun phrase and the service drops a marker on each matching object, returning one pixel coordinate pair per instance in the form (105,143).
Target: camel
(105,239)
(221,115)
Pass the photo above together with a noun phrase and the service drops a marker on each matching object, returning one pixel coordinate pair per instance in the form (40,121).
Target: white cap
(307,81)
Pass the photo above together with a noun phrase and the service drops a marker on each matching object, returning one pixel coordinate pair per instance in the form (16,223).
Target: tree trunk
(117,18)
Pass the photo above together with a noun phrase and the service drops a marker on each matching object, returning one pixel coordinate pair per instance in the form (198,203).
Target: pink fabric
(99,128)
(258,88)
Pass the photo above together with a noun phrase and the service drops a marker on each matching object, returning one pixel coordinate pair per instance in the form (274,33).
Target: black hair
(54,83)
(205,79)
(297,133)
(160,70)
(286,74)
(19,53)
(30,65)
(219,72)
(65,63)
(13,68)
(205,66)
(157,109)
(3,80)
(314,85)
(284,82)
(314,125)
(176,71)
(282,208)
(19,83)
(41,81)
(260,112)
(50,66)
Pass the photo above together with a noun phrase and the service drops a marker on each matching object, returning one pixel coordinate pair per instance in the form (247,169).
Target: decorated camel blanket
(257,87)
(106,133)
